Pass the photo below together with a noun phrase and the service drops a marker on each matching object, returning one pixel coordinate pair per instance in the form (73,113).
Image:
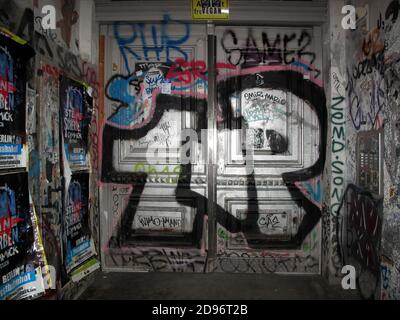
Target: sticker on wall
(76,112)
(78,245)
(362,18)
(84,270)
(30,111)
(21,251)
(13,59)
(210,9)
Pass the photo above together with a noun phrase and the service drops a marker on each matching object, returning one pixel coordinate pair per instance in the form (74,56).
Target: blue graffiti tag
(121,89)
(315,194)
(161,40)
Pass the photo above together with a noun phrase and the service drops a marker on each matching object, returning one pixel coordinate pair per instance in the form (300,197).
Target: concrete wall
(57,53)
(364,92)
(390,263)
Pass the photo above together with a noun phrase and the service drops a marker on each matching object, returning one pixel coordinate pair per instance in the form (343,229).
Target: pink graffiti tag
(184,72)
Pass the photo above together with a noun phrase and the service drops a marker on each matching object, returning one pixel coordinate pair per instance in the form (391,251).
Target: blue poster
(78,244)
(13,60)
(76,111)
(21,254)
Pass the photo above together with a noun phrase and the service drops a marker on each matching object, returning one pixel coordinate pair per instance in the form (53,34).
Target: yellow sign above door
(210,9)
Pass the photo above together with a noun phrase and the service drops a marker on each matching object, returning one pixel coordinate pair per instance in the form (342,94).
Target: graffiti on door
(165,81)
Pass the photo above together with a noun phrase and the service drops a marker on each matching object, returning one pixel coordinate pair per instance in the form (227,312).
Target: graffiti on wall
(338,151)
(392,79)
(51,198)
(366,85)
(359,237)
(67,18)
(390,287)
(372,93)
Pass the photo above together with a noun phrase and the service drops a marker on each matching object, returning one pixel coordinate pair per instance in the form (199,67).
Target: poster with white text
(76,111)
(78,244)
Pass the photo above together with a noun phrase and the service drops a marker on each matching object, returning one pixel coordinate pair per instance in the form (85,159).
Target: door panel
(153,221)
(268,134)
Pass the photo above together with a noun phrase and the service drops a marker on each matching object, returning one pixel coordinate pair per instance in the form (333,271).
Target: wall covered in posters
(23,265)
(51,108)
(76,109)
